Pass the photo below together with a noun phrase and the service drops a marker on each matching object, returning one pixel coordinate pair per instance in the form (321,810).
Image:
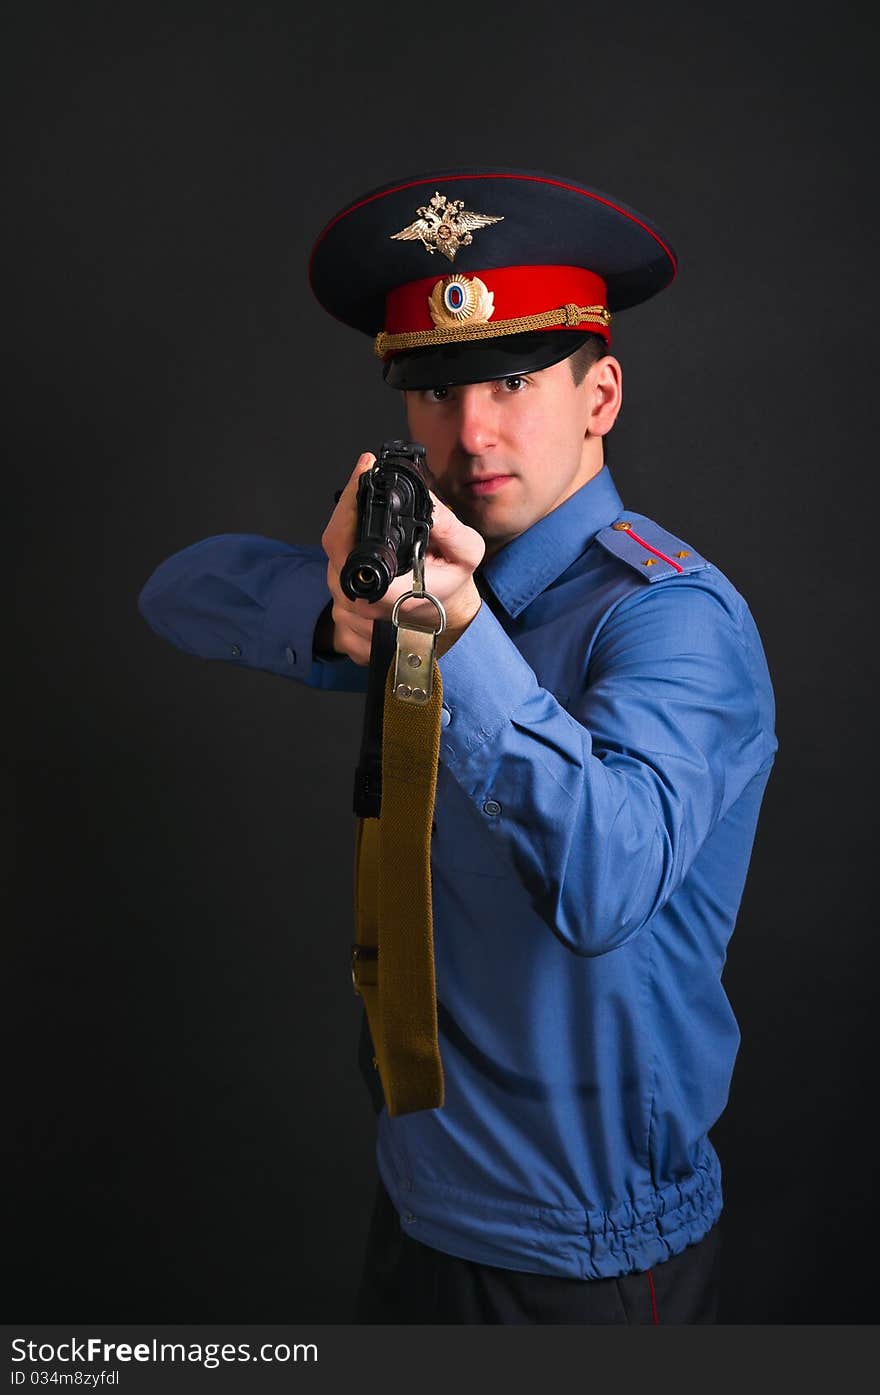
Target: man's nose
(477,419)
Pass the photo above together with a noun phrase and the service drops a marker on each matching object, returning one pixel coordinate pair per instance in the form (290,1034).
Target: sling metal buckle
(361,955)
(415,643)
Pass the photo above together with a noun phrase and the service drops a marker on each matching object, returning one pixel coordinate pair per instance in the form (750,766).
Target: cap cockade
(550,264)
(459,300)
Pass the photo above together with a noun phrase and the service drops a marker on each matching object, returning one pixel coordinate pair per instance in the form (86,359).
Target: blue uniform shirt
(607,737)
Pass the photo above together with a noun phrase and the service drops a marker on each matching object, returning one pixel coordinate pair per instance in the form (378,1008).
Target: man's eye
(440,394)
(515,382)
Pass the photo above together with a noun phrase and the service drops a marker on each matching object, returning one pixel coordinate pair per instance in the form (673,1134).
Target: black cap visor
(481,360)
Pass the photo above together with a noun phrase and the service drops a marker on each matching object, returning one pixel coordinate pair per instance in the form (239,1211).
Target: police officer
(606,738)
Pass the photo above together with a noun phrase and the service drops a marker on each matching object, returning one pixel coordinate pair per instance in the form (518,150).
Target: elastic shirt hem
(569,1242)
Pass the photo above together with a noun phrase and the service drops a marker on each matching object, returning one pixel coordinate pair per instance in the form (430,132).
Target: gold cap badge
(444,225)
(458,300)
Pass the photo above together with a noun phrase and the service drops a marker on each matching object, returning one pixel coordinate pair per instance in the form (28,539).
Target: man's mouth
(485,484)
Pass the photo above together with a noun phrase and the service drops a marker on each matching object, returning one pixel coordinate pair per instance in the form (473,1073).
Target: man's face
(505,453)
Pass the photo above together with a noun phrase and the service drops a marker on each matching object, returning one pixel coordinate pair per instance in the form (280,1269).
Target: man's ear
(605,384)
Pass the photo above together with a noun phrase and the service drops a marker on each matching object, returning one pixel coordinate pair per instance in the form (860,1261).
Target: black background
(189,1137)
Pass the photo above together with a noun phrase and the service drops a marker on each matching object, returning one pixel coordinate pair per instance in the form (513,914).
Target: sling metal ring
(420,596)
(418,567)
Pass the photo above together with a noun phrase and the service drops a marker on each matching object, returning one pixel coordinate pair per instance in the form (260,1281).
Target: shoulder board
(649,549)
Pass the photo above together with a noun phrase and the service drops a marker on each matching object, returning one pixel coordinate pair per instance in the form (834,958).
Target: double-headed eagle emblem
(444,225)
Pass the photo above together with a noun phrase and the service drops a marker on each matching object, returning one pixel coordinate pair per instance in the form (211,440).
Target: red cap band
(518,290)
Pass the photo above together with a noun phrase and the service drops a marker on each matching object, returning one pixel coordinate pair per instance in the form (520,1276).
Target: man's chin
(495,534)
(485,517)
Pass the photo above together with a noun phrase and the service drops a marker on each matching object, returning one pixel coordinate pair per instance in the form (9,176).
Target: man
(606,738)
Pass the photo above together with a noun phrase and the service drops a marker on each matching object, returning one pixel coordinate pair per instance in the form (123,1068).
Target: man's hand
(454,553)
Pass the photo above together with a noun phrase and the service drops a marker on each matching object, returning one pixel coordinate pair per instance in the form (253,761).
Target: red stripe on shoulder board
(662,555)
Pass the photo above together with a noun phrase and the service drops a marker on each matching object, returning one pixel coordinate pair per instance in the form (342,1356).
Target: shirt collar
(528,564)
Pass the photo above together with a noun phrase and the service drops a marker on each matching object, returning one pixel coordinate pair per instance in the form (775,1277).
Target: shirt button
(408,1218)
(492,808)
(445,716)
(236,651)
(290,655)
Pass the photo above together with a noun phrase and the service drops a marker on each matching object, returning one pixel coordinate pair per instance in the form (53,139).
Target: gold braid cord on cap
(565,316)
(393,959)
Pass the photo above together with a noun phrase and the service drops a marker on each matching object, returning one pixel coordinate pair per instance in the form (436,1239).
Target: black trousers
(407,1282)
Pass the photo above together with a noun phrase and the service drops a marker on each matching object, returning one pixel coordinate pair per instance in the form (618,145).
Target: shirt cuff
(289,628)
(485,679)
(298,598)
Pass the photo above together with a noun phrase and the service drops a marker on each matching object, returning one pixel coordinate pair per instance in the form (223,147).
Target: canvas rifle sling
(393,957)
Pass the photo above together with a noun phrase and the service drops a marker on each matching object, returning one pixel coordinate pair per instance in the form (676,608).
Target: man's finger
(338,536)
(455,539)
(355,623)
(348,495)
(444,520)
